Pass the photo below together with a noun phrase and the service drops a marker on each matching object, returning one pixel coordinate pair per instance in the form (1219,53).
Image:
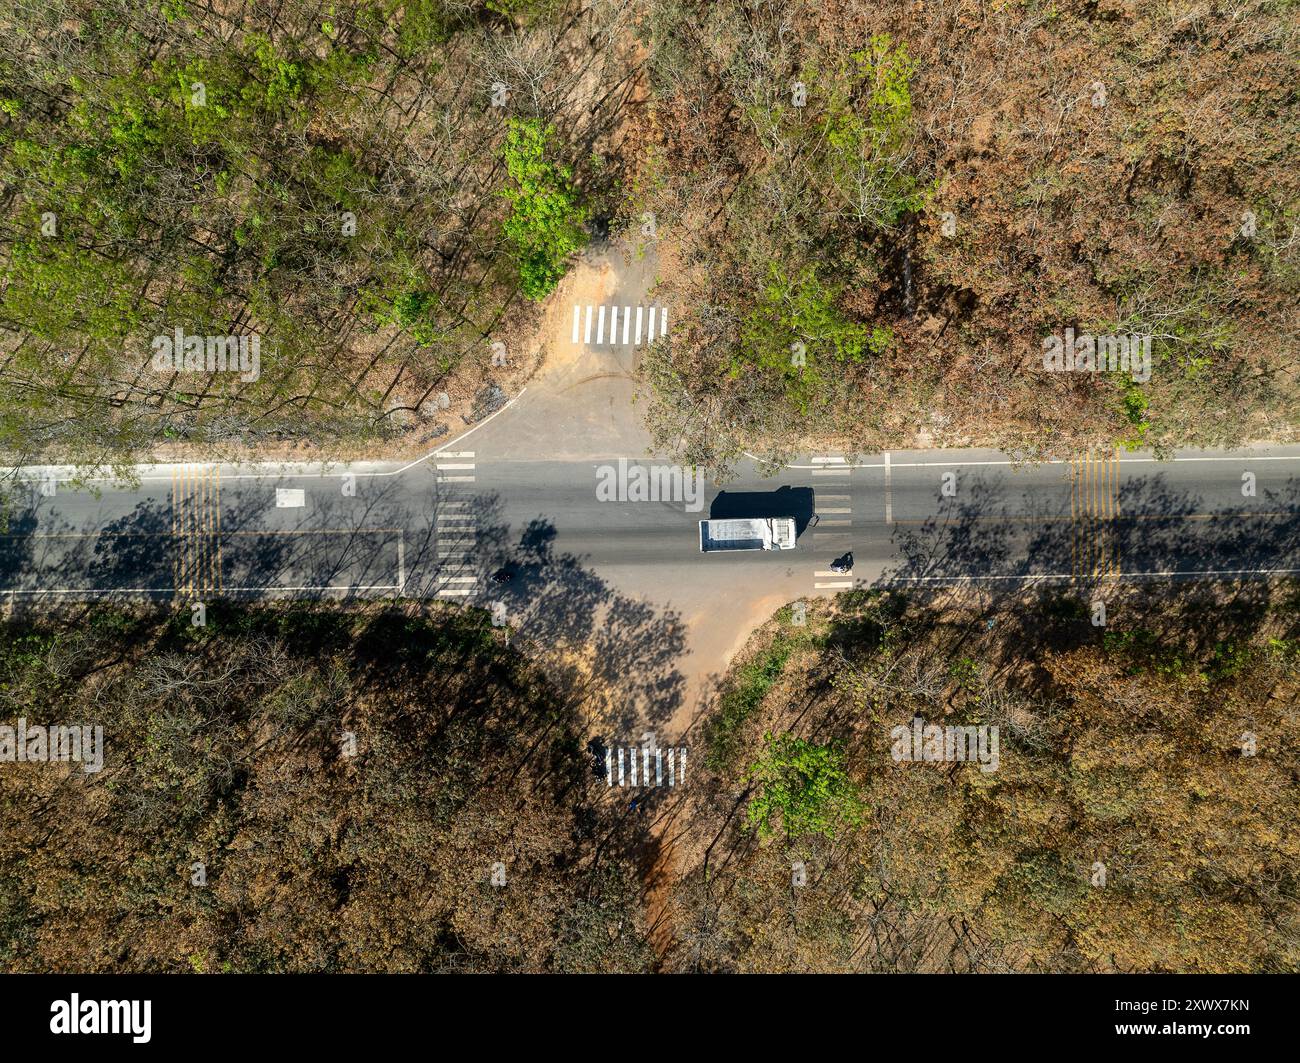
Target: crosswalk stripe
(456,454)
(455,479)
(634,766)
(834,523)
(839,509)
(832,586)
(456,465)
(831,472)
(654,319)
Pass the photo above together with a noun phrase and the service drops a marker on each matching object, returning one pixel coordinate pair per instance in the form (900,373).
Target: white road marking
(455,479)
(838,509)
(290,497)
(889,493)
(652,316)
(315,470)
(828,573)
(455,465)
(834,523)
(831,472)
(832,586)
(340,587)
(1126,577)
(949,464)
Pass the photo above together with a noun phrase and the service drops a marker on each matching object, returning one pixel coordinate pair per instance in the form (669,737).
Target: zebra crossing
(456,540)
(675,761)
(455,469)
(626,325)
(833,466)
(832,537)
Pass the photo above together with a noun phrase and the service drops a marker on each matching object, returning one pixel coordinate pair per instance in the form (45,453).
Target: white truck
(758,533)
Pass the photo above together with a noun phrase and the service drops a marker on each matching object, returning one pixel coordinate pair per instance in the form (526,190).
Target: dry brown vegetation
(227,747)
(1119,747)
(1125,218)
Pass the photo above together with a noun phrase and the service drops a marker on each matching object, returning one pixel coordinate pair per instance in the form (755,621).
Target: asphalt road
(442,526)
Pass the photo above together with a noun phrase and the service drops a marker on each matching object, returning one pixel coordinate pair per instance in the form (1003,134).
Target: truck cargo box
(759,533)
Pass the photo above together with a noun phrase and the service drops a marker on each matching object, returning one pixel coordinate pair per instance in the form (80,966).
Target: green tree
(545,223)
(806,785)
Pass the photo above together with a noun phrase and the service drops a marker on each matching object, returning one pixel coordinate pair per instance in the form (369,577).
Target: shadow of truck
(796,502)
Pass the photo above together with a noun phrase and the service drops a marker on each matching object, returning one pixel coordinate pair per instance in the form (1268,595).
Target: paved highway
(441,526)
(627,578)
